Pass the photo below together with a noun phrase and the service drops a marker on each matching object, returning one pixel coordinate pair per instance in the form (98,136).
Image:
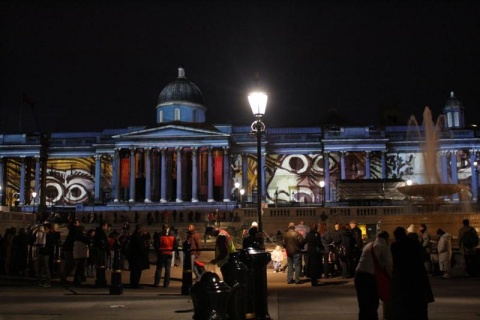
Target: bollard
(116,286)
(210,298)
(235,276)
(187,268)
(256,262)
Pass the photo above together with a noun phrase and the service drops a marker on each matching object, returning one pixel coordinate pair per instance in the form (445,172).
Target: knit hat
(411,229)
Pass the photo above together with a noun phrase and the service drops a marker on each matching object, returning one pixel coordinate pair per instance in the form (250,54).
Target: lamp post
(1,196)
(258,103)
(259,258)
(322,191)
(236,193)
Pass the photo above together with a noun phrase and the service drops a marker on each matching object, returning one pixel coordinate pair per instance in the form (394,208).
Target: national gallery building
(185,160)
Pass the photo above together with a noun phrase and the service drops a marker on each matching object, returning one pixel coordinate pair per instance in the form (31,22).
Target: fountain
(431,190)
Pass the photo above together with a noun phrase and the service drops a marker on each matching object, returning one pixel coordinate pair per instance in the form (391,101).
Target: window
(177,114)
(160,116)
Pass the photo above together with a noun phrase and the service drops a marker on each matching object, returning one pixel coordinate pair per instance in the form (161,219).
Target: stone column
(37,175)
(453,160)
(115,175)
(163,183)
(327,176)
(473,158)
(194,174)
(342,165)
(226,176)
(210,174)
(21,201)
(245,174)
(444,163)
(148,175)
(2,184)
(367,164)
(132,175)
(179,175)
(384,165)
(98,177)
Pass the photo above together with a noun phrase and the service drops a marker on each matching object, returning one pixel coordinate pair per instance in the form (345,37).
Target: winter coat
(444,248)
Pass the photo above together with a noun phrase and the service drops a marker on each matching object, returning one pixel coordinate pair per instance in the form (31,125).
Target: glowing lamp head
(322,184)
(258,103)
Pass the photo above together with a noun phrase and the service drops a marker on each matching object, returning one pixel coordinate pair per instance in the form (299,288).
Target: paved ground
(456,298)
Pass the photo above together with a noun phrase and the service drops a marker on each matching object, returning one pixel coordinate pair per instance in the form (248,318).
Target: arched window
(177,114)
(160,116)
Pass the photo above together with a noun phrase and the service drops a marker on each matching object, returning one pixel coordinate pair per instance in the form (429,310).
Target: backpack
(470,239)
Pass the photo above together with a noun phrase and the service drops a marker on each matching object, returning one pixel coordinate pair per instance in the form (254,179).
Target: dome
(453,102)
(181,90)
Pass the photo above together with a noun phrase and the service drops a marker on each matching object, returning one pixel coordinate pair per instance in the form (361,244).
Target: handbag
(382,279)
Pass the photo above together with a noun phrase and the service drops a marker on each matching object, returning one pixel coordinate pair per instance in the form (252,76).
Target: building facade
(184,159)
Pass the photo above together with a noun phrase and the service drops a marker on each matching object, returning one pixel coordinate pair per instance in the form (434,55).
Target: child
(277,258)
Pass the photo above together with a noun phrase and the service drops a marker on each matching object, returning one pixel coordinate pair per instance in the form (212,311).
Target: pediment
(172,132)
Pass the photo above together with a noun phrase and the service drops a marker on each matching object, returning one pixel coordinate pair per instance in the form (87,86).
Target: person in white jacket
(444,248)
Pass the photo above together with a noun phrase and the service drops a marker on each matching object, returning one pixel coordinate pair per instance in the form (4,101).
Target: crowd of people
(311,252)
(314,252)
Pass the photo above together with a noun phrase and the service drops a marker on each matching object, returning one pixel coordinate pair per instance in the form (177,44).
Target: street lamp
(235,192)
(258,103)
(475,164)
(34,197)
(322,189)
(242,192)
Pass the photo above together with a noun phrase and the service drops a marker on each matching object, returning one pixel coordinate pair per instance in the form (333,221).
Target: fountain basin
(430,192)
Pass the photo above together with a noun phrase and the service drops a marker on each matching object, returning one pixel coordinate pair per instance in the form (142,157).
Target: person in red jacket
(167,245)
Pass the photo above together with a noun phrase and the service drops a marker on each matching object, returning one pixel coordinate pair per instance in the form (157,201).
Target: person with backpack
(468,242)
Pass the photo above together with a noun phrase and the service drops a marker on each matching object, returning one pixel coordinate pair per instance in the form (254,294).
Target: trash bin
(256,261)
(234,274)
(210,298)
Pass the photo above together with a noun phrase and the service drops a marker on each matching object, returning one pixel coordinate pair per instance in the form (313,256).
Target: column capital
(367,154)
(147,150)
(132,150)
(194,151)
(98,157)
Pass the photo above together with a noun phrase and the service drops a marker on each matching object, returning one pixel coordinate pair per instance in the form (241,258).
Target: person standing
(357,243)
(67,250)
(224,246)
(411,290)
(365,285)
(327,245)
(195,245)
(444,252)
(293,242)
(100,245)
(80,255)
(44,244)
(136,256)
(303,230)
(315,248)
(167,244)
(468,242)
(427,247)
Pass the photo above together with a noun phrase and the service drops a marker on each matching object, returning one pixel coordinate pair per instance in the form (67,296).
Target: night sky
(90,66)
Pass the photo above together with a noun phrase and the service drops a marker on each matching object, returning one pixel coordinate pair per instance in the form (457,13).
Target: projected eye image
(70,186)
